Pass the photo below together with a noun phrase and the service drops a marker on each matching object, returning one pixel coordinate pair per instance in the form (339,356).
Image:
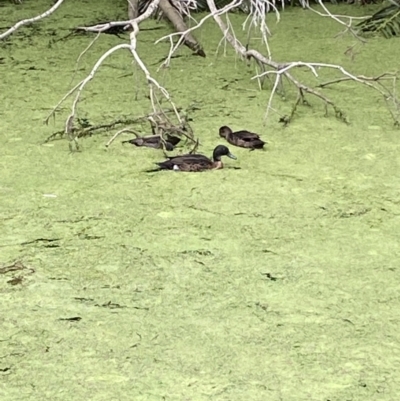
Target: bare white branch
(30,20)
(66,96)
(89,78)
(271,96)
(312,66)
(257,17)
(283,69)
(258,10)
(82,54)
(224,10)
(104,27)
(153,84)
(223,40)
(118,133)
(80,86)
(150,80)
(338,18)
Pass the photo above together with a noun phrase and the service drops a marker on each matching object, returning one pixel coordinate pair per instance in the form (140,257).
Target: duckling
(155,142)
(244,139)
(196,162)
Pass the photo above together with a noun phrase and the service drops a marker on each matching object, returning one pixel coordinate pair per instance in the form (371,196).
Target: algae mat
(275,281)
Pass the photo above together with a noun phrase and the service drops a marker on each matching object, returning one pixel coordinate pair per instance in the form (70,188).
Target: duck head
(222,150)
(224,131)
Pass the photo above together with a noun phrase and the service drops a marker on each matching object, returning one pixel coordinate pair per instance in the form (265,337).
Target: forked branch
(341,19)
(183,34)
(152,83)
(284,70)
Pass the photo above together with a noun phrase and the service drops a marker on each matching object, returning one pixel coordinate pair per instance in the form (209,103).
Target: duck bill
(231,156)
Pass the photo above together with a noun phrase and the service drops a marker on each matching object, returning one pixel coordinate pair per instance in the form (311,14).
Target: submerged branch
(88,131)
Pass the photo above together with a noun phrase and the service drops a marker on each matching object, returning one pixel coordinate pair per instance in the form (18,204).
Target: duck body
(155,142)
(197,162)
(243,139)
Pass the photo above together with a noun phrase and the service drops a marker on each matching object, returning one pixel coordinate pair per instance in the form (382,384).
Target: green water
(275,281)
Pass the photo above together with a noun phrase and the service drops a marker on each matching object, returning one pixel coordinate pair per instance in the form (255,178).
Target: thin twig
(385,75)
(82,54)
(69,93)
(150,80)
(114,137)
(338,19)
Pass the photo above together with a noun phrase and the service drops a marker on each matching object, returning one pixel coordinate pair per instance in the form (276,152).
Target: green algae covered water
(275,281)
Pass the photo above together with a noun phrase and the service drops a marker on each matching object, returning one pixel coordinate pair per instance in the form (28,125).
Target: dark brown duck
(244,139)
(196,162)
(155,142)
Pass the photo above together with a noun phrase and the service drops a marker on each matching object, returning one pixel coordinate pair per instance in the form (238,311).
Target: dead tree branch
(172,14)
(340,19)
(183,34)
(81,132)
(384,76)
(160,123)
(283,70)
(257,19)
(31,20)
(176,19)
(152,83)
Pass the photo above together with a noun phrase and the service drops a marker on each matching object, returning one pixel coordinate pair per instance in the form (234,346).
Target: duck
(196,162)
(155,141)
(243,139)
